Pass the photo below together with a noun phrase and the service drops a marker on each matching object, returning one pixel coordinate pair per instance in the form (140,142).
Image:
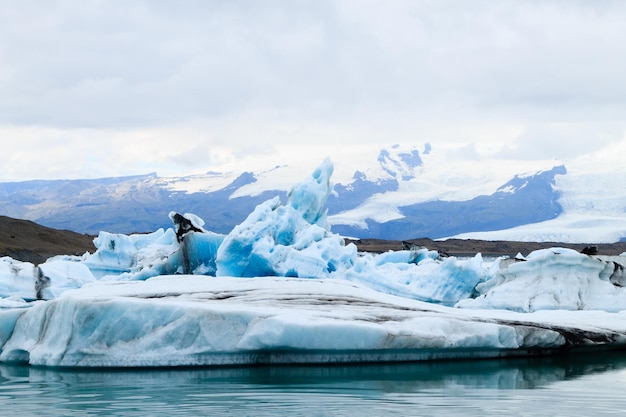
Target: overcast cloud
(135,86)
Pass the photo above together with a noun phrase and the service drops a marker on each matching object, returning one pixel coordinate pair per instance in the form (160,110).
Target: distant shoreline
(27,241)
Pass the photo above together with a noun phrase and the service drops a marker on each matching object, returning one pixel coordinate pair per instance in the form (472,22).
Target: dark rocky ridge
(469,247)
(30,242)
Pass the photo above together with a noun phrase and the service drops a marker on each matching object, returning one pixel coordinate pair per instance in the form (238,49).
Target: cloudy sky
(119,87)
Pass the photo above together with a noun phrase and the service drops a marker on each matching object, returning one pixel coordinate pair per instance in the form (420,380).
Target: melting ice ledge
(282,288)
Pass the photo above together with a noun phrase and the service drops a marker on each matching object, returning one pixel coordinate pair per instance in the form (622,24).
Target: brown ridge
(27,241)
(469,247)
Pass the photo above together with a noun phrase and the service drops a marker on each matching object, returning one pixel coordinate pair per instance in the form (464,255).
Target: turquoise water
(575,385)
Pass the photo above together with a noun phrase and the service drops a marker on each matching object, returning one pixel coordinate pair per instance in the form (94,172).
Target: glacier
(281,287)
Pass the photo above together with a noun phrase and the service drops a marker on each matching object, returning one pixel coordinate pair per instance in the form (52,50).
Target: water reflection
(521,373)
(295,388)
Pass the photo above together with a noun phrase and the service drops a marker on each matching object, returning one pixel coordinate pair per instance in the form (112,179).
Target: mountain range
(398,194)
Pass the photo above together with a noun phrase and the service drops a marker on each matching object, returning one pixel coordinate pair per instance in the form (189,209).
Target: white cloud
(244,77)
(562,141)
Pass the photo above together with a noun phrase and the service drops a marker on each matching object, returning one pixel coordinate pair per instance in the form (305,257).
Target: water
(577,385)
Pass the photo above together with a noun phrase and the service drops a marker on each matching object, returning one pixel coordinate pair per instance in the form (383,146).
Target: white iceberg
(282,288)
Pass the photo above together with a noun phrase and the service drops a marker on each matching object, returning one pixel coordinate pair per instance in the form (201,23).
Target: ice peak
(309,196)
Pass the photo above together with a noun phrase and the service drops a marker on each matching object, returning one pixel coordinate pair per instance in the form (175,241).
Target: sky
(122,87)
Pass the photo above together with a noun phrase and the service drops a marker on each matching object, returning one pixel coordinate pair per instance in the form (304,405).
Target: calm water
(581,385)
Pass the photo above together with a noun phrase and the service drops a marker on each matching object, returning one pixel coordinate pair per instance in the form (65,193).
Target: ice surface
(444,281)
(171,298)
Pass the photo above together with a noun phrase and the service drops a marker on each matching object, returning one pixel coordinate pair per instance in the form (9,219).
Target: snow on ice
(172,297)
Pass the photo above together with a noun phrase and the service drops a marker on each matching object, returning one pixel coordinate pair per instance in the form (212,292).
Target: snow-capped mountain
(394,193)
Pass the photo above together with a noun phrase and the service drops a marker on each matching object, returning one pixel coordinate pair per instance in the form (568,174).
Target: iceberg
(186,248)
(191,320)
(292,240)
(281,287)
(551,279)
